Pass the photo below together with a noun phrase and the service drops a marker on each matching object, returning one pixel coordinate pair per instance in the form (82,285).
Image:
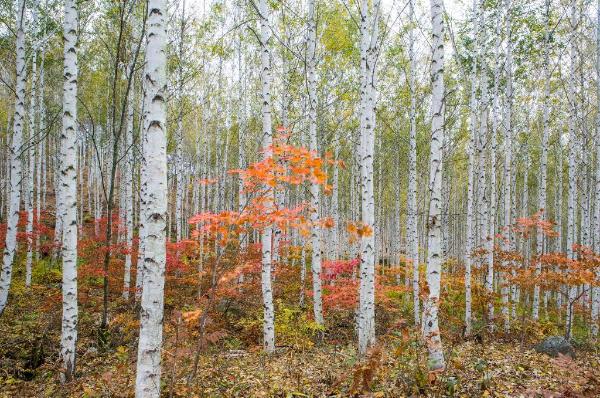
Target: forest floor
(474,370)
(232,364)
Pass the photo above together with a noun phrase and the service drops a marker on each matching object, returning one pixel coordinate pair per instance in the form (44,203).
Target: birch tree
(128,168)
(544,158)
(411,225)
(68,187)
(431,329)
(596,289)
(572,167)
(154,179)
(470,239)
(31,152)
(369,50)
(10,244)
(267,141)
(311,76)
(507,163)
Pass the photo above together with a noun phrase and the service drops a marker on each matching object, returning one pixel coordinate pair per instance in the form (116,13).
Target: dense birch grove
(393,188)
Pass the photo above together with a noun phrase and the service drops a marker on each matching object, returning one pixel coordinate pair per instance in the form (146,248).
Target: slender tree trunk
(596,289)
(179,169)
(489,279)
(368,54)
(507,167)
(470,238)
(128,179)
(431,329)
(155,206)
(69,190)
(311,75)
(267,140)
(572,167)
(412,222)
(543,161)
(10,245)
(31,154)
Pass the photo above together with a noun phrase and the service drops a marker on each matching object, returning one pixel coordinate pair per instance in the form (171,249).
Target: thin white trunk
(431,331)
(470,238)
(412,222)
(15,162)
(267,140)
(31,152)
(179,174)
(489,278)
(69,189)
(139,272)
(543,160)
(335,241)
(155,206)
(596,289)
(507,166)
(128,179)
(368,54)
(311,75)
(572,167)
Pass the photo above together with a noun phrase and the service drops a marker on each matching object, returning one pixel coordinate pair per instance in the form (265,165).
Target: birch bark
(543,160)
(431,329)
(267,141)
(572,167)
(596,289)
(69,190)
(411,225)
(15,162)
(369,51)
(470,239)
(154,214)
(311,75)
(507,166)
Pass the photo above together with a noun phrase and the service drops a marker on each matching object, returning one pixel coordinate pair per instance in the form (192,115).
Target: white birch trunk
(179,175)
(10,245)
(154,215)
(311,75)
(431,331)
(267,140)
(69,190)
(139,272)
(470,238)
(572,167)
(507,167)
(543,160)
(412,222)
(31,152)
(489,278)
(128,180)
(596,289)
(368,54)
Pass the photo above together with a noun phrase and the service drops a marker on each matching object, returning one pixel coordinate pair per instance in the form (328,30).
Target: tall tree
(369,51)
(508,136)
(267,141)
(572,167)
(412,222)
(16,149)
(596,289)
(431,330)
(68,187)
(311,76)
(154,214)
(28,188)
(470,239)
(544,158)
